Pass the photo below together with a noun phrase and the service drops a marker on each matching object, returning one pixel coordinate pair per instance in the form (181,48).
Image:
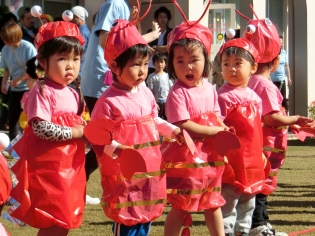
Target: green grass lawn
(291,207)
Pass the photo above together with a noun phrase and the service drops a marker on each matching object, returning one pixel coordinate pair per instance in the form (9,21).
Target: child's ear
(276,62)
(42,63)
(114,68)
(254,68)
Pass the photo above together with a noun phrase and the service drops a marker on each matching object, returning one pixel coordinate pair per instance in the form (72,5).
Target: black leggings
(14,113)
(282,86)
(260,214)
(91,162)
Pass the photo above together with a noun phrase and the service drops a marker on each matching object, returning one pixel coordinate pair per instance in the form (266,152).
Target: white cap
(80,12)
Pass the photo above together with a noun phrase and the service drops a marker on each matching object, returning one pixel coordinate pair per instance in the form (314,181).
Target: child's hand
(77,131)
(304,121)
(119,150)
(178,136)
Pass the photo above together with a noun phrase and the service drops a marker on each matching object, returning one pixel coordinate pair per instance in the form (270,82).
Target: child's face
(159,65)
(63,68)
(236,71)
(133,74)
(189,65)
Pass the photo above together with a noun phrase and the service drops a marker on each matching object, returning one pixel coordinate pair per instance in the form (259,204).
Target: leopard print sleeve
(50,131)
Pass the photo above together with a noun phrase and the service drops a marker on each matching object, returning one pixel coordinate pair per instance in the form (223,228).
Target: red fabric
(246,163)
(274,138)
(122,36)
(194,178)
(241,43)
(121,191)
(56,29)
(5,180)
(190,30)
(51,175)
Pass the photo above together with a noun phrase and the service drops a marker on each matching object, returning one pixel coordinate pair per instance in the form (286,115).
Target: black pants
(260,214)
(91,162)
(14,113)
(162,111)
(282,86)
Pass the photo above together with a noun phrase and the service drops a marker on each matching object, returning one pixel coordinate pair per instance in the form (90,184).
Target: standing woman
(162,16)
(15,54)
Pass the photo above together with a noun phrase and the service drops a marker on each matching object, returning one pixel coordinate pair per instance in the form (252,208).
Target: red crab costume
(51,174)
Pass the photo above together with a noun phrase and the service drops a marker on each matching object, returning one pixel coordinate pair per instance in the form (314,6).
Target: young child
(51,187)
(23,118)
(263,34)
(159,82)
(241,108)
(131,204)
(192,104)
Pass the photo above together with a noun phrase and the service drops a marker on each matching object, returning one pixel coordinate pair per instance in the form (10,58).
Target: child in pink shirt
(241,108)
(51,187)
(132,204)
(263,34)
(192,104)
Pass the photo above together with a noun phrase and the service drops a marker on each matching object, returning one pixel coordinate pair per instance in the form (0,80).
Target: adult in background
(15,54)
(95,66)
(162,16)
(27,24)
(79,16)
(280,76)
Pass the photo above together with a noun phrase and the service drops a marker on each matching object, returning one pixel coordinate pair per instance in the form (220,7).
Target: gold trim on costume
(133,204)
(192,192)
(146,145)
(136,176)
(272,174)
(200,139)
(275,150)
(193,165)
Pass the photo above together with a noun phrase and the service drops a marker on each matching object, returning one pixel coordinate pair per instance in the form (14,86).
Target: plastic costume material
(5,187)
(245,168)
(142,198)
(51,175)
(193,185)
(265,37)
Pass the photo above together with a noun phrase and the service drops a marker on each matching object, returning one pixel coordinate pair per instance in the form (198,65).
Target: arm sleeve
(50,131)
(165,129)
(109,149)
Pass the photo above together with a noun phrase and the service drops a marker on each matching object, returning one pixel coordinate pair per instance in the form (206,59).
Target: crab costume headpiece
(56,29)
(241,43)
(264,35)
(191,30)
(122,36)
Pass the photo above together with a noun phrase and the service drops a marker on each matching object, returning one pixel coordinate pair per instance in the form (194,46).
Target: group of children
(51,188)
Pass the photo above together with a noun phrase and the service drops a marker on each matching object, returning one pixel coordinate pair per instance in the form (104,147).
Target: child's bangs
(67,45)
(239,53)
(139,50)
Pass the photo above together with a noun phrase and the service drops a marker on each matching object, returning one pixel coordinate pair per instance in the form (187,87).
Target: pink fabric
(230,96)
(268,92)
(25,95)
(184,102)
(56,99)
(3,232)
(119,105)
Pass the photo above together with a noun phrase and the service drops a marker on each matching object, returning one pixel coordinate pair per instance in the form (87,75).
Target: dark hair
(64,44)
(138,50)
(163,9)
(7,17)
(188,45)
(159,56)
(239,53)
(266,65)
(280,36)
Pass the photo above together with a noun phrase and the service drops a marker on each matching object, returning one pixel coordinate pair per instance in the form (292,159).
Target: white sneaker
(261,230)
(92,200)
(276,233)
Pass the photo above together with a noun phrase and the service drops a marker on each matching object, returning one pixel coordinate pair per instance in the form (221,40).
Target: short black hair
(164,10)
(159,56)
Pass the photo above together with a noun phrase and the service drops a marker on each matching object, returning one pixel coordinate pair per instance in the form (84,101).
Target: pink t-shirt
(120,105)
(56,100)
(230,96)
(268,92)
(25,95)
(184,102)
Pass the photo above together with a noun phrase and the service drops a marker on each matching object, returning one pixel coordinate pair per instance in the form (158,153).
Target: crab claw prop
(224,141)
(131,162)
(192,148)
(302,132)
(98,131)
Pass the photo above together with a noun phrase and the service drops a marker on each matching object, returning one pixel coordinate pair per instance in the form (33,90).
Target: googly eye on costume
(36,11)
(250,29)
(67,15)
(230,33)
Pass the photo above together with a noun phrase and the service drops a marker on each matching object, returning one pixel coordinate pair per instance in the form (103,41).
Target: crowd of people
(154,114)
